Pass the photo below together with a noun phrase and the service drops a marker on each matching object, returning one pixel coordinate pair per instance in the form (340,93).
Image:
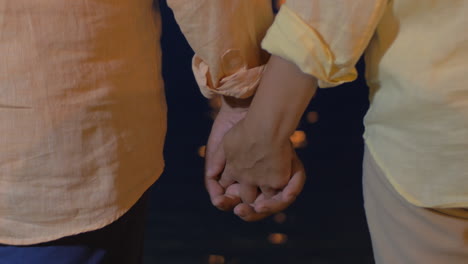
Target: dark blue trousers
(118,243)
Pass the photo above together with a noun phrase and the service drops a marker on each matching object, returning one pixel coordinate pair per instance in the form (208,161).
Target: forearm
(280,101)
(225,36)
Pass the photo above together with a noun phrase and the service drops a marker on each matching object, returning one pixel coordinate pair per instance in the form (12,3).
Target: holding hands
(251,166)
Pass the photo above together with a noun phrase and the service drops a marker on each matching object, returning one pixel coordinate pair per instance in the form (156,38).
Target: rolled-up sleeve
(324,38)
(226,37)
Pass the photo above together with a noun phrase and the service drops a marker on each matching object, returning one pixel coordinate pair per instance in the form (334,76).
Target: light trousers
(402,233)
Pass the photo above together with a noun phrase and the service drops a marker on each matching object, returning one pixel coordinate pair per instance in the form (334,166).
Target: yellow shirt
(417,69)
(82,109)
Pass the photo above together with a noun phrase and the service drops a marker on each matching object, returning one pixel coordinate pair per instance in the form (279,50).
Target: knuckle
(279,183)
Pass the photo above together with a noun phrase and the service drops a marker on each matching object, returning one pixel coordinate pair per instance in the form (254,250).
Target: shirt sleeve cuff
(240,84)
(291,38)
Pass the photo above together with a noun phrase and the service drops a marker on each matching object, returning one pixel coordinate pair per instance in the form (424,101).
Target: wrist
(270,125)
(233,104)
(282,96)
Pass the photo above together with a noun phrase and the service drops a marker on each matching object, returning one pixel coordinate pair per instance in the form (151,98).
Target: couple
(82,117)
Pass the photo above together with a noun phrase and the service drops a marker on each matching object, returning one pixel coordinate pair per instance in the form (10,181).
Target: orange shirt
(82,109)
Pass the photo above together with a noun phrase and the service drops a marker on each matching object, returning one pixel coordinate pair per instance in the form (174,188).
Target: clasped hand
(252,174)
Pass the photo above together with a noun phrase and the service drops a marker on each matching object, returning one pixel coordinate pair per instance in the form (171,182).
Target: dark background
(325,225)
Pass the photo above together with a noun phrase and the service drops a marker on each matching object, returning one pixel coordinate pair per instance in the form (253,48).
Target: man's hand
(250,155)
(225,194)
(257,162)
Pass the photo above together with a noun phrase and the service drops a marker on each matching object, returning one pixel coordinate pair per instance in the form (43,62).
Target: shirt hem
(400,190)
(89,228)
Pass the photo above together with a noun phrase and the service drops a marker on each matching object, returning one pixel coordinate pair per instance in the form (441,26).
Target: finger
(217,197)
(233,190)
(225,203)
(227,199)
(284,199)
(271,206)
(214,188)
(287,196)
(248,193)
(231,198)
(268,192)
(247,213)
(214,166)
(226,179)
(296,184)
(215,161)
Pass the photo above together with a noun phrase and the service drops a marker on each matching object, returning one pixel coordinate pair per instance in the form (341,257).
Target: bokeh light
(298,139)
(277,238)
(202,151)
(216,259)
(312,117)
